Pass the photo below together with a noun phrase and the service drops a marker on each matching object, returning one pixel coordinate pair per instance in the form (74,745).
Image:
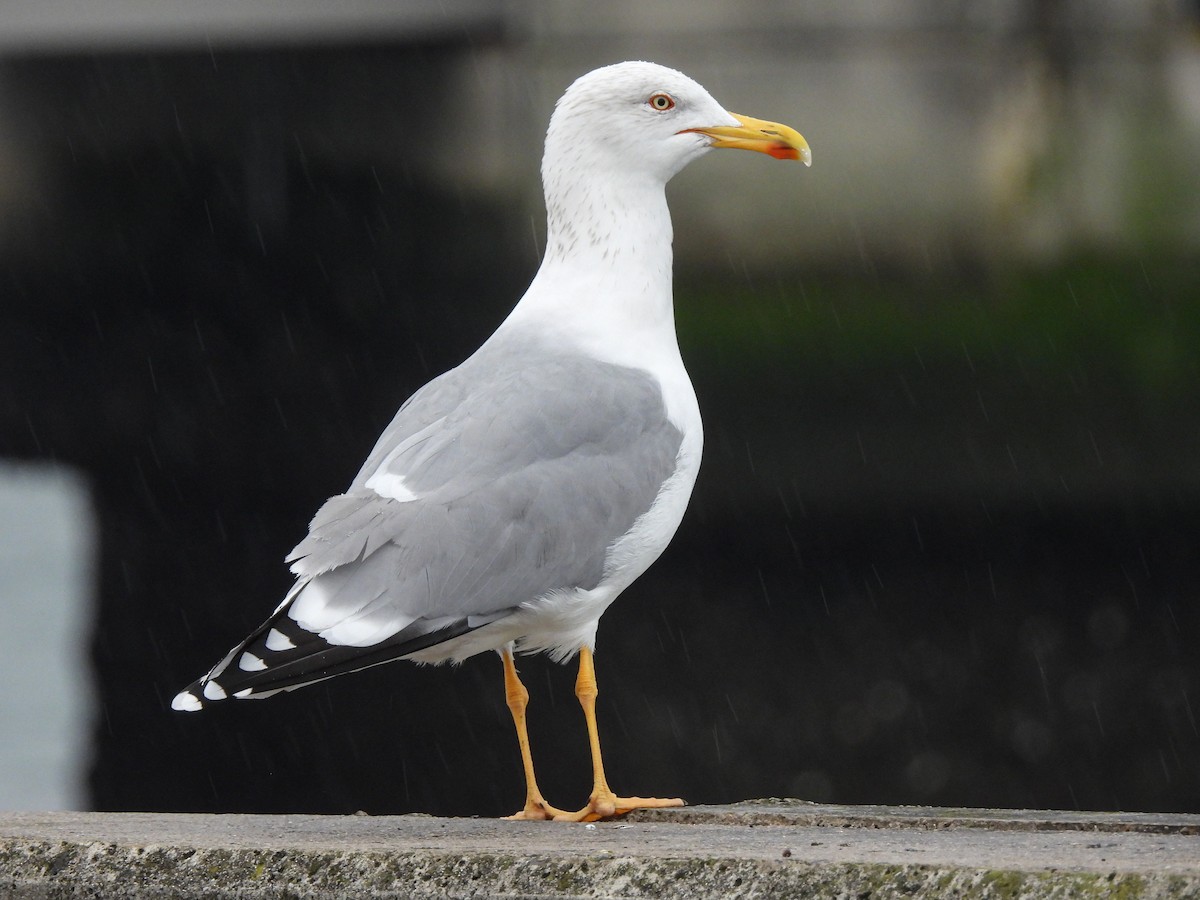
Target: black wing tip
(256,669)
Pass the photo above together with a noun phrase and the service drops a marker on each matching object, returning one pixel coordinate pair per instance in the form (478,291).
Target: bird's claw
(609,806)
(599,806)
(534,812)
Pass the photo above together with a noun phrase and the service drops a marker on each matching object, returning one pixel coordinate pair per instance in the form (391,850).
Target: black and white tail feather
(282,655)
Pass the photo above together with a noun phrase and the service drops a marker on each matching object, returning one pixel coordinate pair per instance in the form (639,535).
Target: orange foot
(538,810)
(602,805)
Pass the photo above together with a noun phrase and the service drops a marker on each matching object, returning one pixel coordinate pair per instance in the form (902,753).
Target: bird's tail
(280,655)
(244,673)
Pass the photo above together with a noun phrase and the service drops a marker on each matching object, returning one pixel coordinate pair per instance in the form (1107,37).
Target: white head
(639,120)
(617,136)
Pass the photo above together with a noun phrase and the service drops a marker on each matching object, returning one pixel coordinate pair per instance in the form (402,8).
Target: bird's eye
(661,102)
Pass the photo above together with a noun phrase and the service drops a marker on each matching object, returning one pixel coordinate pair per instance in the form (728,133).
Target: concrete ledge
(768,848)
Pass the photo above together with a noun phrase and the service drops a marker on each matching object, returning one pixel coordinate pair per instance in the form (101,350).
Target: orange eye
(661,102)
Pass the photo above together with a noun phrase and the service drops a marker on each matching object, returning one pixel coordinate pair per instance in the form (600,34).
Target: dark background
(942,548)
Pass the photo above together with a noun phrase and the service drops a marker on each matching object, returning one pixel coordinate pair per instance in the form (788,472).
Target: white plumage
(512,499)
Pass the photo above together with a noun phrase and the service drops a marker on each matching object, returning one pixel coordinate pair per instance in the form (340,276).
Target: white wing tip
(251,663)
(277,640)
(213,691)
(186,701)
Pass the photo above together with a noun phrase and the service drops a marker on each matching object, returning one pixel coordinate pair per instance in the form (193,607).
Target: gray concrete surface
(768,848)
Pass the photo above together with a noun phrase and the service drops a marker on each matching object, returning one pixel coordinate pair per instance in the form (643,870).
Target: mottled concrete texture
(765,849)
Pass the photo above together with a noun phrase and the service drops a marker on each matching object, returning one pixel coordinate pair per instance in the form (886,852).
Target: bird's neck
(608,260)
(596,219)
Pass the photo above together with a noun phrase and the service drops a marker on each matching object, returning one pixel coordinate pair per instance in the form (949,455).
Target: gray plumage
(512,500)
(525,463)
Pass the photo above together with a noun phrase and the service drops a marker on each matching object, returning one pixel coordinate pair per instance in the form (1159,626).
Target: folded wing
(501,481)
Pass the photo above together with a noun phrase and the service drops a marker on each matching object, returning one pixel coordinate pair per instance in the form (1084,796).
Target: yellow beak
(771,138)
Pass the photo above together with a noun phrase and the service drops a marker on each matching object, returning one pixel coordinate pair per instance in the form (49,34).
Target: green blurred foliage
(1133,323)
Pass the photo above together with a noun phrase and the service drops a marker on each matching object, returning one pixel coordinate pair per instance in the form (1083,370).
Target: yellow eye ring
(661,102)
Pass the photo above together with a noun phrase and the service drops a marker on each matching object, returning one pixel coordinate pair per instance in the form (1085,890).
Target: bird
(514,497)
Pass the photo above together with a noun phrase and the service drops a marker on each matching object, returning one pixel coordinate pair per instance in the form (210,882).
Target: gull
(512,499)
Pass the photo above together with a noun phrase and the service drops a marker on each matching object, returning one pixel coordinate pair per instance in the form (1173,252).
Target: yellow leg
(603,802)
(517,698)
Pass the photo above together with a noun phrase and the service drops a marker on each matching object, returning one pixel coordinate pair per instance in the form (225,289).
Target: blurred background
(943,545)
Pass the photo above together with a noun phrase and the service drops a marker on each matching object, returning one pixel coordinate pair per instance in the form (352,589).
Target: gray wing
(520,486)
(510,477)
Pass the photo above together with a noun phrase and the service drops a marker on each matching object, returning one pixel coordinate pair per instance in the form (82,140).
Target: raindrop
(763,584)
(729,703)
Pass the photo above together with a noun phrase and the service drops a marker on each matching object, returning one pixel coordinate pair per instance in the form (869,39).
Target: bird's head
(643,118)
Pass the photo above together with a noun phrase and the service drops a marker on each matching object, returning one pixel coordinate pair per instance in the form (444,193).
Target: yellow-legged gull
(513,498)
